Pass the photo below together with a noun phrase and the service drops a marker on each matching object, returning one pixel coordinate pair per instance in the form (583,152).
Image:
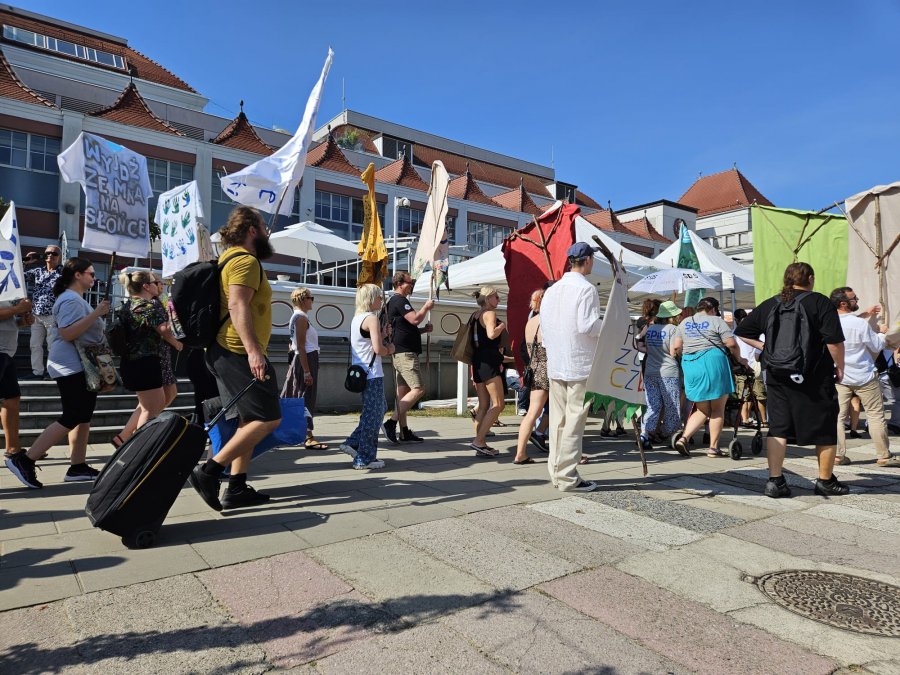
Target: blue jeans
(364,438)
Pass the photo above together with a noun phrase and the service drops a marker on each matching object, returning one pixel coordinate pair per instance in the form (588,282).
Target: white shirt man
(570,322)
(861,346)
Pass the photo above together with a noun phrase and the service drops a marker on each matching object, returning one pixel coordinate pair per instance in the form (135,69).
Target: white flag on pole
(263,184)
(12,272)
(433,246)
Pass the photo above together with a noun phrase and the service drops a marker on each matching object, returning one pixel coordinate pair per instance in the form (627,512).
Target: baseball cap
(581,250)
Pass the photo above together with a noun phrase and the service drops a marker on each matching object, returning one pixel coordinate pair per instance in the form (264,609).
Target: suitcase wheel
(140,539)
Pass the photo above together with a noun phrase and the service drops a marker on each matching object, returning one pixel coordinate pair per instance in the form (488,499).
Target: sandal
(484,450)
(527,460)
(584,460)
(715,452)
(893,460)
(312,444)
(681,446)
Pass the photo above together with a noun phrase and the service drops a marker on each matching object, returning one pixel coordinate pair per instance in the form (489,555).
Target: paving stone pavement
(447,563)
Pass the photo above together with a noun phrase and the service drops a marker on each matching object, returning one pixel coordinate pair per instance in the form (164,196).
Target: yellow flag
(371,247)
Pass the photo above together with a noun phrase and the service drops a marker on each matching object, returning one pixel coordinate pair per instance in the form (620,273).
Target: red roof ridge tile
(606,219)
(518,199)
(240,135)
(131,109)
(401,172)
(328,155)
(156,63)
(12,87)
(465,187)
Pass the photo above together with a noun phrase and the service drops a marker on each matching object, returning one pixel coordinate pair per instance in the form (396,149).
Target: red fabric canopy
(526,265)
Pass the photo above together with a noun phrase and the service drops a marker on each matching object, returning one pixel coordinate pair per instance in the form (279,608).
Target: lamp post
(398,202)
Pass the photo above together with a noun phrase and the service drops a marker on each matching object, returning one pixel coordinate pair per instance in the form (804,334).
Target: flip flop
(312,444)
(527,460)
(584,460)
(484,450)
(715,452)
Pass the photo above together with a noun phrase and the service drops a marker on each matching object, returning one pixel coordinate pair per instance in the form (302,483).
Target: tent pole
(879,244)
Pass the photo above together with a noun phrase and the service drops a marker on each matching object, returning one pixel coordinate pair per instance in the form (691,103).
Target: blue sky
(633,99)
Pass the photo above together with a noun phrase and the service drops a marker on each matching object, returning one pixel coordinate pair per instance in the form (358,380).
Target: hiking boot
(390,430)
(23,468)
(246,496)
(374,464)
(81,472)
(407,436)
(583,486)
(830,488)
(777,489)
(207,486)
(348,450)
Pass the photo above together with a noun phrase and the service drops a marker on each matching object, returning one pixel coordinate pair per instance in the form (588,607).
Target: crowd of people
(793,365)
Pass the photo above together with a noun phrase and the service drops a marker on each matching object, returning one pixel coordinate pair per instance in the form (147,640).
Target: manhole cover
(840,600)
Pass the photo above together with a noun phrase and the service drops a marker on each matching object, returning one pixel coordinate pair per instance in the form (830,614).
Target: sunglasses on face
(49,254)
(91,274)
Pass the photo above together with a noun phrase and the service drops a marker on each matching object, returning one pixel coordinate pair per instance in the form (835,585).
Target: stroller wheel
(735,449)
(756,445)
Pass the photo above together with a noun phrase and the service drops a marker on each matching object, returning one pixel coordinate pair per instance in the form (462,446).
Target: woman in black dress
(487,364)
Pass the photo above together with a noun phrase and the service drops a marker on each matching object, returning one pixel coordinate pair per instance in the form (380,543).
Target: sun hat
(667,310)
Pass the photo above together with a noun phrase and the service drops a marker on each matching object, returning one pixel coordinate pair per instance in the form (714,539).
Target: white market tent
(714,262)
(488,268)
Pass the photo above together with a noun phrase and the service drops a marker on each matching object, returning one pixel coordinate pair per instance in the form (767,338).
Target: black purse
(893,372)
(355,381)
(528,373)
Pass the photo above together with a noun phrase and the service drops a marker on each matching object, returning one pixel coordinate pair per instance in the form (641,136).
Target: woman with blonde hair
(366,349)
(487,361)
(302,380)
(540,385)
(141,365)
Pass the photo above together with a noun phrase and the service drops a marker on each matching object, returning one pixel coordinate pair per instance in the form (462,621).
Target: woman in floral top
(141,367)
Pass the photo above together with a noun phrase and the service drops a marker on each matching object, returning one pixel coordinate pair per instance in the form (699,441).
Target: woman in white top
(366,349)
(302,380)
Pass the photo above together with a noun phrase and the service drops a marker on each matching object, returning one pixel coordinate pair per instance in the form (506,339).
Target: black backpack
(786,352)
(195,295)
(117,331)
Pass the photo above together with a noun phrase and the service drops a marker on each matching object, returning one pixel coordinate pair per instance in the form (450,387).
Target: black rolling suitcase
(135,490)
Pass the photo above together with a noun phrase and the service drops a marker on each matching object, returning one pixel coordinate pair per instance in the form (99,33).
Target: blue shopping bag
(291,431)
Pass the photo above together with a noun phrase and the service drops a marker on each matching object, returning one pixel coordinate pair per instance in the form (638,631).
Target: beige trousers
(568,415)
(872,401)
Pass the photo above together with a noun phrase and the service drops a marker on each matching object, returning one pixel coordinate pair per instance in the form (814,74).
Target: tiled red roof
(720,192)
(518,199)
(465,187)
(583,200)
(131,109)
(327,155)
(643,228)
(489,173)
(401,172)
(607,220)
(12,87)
(241,135)
(141,66)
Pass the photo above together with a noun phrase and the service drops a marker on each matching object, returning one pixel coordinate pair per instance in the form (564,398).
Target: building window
(393,148)
(28,151)
(165,175)
(409,221)
(13,148)
(335,208)
(27,37)
(450,229)
(485,236)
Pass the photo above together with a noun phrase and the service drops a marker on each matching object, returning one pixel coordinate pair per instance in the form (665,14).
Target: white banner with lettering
(12,272)
(116,194)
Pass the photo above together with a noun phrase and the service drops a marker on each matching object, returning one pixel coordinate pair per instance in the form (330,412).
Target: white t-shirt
(861,347)
(116,194)
(361,349)
(312,335)
(570,322)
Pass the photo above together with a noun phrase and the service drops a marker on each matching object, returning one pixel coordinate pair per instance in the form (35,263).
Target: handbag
(99,370)
(463,349)
(893,372)
(355,381)
(528,373)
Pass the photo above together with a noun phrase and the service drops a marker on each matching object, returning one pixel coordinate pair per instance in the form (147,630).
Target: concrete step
(103,426)
(113,401)
(44,418)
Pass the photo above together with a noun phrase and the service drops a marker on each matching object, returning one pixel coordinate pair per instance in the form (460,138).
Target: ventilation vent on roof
(191,132)
(76,104)
(49,95)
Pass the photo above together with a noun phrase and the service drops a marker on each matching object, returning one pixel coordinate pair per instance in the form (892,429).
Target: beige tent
(873,265)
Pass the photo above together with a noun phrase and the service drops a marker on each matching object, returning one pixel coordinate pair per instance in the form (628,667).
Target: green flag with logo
(687,260)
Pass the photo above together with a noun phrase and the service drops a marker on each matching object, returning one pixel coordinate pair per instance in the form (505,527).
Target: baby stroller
(733,408)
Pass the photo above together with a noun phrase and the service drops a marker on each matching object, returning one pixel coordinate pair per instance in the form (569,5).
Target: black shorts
(232,373)
(804,414)
(142,374)
(482,371)
(9,383)
(77,402)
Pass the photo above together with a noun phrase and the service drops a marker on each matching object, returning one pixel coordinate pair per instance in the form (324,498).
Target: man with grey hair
(570,321)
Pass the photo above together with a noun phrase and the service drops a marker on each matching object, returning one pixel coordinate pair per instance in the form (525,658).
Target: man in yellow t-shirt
(239,355)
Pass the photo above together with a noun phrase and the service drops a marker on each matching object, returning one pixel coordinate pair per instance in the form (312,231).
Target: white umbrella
(673,280)
(311,241)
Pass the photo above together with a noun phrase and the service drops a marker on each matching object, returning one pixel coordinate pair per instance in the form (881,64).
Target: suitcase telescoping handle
(209,425)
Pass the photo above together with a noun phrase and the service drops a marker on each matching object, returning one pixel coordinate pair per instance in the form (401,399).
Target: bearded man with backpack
(802,360)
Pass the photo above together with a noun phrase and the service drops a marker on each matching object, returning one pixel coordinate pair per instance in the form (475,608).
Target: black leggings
(77,402)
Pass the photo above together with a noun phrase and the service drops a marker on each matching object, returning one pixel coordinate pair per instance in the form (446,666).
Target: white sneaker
(374,464)
(347,450)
